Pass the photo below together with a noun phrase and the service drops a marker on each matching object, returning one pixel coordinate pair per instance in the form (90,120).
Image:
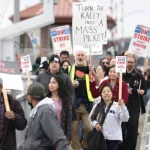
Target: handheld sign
(89,24)
(26,66)
(6,100)
(9,72)
(120,68)
(120,64)
(140,42)
(61,39)
(32,37)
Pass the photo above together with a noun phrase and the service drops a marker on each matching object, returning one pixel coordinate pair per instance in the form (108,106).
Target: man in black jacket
(10,121)
(137,88)
(54,68)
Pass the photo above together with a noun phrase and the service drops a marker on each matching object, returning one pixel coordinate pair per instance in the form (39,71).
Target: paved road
(141,125)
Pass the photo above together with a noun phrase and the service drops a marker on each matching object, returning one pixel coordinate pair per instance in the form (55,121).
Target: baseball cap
(54,57)
(37,90)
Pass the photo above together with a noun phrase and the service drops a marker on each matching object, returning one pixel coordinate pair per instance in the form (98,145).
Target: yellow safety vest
(72,74)
(69,69)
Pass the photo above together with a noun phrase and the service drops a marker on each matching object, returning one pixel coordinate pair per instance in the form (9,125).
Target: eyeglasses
(103,63)
(130,62)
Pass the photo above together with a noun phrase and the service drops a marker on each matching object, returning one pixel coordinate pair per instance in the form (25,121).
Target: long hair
(62,92)
(104,68)
(100,108)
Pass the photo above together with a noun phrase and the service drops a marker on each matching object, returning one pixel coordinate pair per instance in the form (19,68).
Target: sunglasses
(103,63)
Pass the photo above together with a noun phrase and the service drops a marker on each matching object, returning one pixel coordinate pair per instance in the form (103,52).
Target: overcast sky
(135,12)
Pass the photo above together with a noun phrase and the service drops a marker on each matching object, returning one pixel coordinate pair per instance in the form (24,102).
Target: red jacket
(125,94)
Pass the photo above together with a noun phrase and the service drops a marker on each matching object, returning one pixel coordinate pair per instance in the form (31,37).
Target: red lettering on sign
(142,37)
(61,38)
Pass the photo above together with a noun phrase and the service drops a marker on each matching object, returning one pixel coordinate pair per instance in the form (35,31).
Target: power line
(4,10)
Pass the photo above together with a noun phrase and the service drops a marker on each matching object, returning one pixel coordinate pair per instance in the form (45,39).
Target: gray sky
(135,12)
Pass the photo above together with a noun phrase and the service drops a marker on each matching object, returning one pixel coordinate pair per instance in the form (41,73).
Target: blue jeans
(112,144)
(80,132)
(146,97)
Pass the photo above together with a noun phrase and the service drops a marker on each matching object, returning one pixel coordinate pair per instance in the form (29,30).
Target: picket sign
(61,39)
(120,68)
(6,99)
(140,42)
(26,66)
(90,25)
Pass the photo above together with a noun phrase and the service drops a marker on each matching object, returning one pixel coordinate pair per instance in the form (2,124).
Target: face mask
(29,103)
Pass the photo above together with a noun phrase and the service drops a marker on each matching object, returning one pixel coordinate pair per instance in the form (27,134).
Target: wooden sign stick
(120,86)
(90,56)
(28,77)
(145,64)
(6,100)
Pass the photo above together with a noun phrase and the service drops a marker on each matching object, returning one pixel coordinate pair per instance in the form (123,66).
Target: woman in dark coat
(62,102)
(114,82)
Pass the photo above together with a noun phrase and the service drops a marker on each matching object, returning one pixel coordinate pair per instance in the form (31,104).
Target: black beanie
(44,65)
(54,57)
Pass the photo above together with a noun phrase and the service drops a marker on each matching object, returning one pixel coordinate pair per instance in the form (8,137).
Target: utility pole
(16,19)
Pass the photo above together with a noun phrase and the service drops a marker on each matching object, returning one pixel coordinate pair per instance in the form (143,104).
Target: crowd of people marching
(78,106)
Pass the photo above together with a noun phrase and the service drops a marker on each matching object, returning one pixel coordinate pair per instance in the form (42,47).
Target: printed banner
(140,42)
(32,37)
(110,47)
(121,64)
(26,64)
(10,74)
(61,39)
(89,23)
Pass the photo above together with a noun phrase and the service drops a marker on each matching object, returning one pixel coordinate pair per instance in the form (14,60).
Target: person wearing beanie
(54,68)
(10,121)
(43,67)
(44,131)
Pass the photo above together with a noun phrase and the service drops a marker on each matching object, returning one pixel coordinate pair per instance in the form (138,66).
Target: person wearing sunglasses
(104,61)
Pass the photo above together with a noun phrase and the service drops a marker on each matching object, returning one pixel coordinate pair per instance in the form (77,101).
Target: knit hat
(54,57)
(44,65)
(37,90)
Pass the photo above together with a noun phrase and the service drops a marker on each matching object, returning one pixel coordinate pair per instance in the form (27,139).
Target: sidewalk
(141,126)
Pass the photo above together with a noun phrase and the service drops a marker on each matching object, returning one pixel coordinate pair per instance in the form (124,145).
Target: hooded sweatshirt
(44,129)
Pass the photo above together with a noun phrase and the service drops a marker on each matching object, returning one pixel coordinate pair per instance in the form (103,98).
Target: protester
(64,55)
(42,68)
(36,66)
(54,69)
(114,82)
(66,66)
(59,96)
(147,78)
(117,113)
(44,131)
(10,121)
(104,61)
(101,72)
(83,102)
(109,56)
(136,87)
(18,60)
(113,62)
